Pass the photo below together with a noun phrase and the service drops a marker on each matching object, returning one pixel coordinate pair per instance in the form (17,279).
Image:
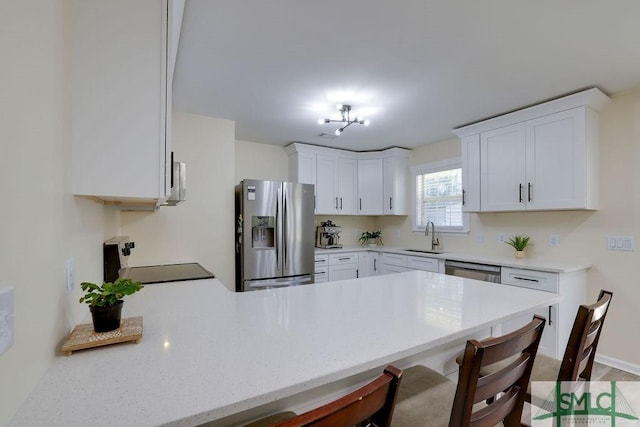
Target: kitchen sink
(424,251)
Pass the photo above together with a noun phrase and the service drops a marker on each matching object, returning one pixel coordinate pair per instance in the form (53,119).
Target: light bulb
(366,122)
(339,107)
(320,121)
(338,132)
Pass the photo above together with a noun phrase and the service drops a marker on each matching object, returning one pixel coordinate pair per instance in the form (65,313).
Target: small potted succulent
(105,302)
(519,243)
(371,238)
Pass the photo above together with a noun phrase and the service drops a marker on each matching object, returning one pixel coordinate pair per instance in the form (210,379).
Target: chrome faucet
(434,241)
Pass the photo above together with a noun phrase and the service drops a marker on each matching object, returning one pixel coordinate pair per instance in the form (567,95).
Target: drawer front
(540,280)
(394,259)
(343,272)
(322,275)
(387,268)
(422,263)
(321,261)
(344,258)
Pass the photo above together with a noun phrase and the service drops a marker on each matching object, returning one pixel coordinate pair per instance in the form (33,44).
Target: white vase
(520,254)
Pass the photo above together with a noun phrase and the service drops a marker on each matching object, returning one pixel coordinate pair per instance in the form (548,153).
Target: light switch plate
(71,275)
(502,237)
(6,319)
(554,240)
(621,243)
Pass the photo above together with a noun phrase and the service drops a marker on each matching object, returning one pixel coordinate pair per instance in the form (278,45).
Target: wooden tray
(83,336)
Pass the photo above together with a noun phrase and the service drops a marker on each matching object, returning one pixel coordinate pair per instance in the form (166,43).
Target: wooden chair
(370,405)
(427,398)
(577,363)
(579,355)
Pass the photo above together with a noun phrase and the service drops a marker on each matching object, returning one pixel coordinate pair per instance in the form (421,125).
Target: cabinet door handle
(525,278)
(336,203)
(375,266)
(520,193)
(345,259)
(357,273)
(390,203)
(360,203)
(340,203)
(529,191)
(463,194)
(549,315)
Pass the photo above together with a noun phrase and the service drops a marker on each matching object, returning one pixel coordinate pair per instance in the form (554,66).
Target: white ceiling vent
(327,135)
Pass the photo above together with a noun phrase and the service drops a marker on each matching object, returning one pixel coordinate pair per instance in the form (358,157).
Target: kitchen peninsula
(209,354)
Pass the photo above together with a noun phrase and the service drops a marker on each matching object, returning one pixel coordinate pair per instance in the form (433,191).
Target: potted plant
(371,238)
(105,302)
(519,243)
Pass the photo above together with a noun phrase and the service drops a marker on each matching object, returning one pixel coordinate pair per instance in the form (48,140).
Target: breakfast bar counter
(208,354)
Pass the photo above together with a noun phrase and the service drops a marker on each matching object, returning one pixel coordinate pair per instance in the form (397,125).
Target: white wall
(201,228)
(582,233)
(42,223)
(261,161)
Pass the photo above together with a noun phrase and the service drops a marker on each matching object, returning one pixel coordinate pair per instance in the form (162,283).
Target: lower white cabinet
(368,264)
(394,263)
(343,266)
(560,317)
(321,268)
(423,263)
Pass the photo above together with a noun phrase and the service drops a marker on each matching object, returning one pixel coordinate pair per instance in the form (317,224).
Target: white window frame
(431,167)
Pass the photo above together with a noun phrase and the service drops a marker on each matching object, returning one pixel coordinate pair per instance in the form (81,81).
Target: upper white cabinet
(123,55)
(395,183)
(336,185)
(470,158)
(352,183)
(370,178)
(544,157)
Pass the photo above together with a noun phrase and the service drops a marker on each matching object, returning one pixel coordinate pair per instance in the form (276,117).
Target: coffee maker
(328,235)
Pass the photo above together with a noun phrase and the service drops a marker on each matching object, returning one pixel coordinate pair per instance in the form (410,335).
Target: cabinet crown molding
(295,147)
(593,98)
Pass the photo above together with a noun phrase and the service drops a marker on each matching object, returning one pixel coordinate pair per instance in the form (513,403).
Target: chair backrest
(371,404)
(583,340)
(520,347)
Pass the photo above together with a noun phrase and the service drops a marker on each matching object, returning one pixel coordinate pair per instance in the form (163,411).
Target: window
(438,196)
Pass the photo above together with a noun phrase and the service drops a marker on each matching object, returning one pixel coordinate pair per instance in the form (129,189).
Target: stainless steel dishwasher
(472,270)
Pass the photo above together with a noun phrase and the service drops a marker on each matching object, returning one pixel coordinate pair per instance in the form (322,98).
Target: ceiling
(415,68)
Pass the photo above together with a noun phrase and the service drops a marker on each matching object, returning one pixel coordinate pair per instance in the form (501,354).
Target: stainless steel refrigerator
(274,234)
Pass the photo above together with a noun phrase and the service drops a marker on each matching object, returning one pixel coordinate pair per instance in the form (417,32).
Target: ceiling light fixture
(345,110)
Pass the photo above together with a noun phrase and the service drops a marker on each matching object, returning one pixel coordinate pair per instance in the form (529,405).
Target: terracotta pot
(106,319)
(520,254)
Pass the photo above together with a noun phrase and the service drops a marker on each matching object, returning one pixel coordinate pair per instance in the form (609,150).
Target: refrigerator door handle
(274,283)
(285,231)
(276,240)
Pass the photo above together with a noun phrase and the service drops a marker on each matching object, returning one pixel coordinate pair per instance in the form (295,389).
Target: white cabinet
(121,99)
(470,159)
(544,157)
(343,266)
(394,263)
(368,264)
(423,263)
(502,168)
(560,317)
(395,184)
(336,185)
(370,187)
(351,183)
(321,268)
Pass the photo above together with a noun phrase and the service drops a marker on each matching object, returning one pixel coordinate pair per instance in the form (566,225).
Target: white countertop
(553,265)
(208,353)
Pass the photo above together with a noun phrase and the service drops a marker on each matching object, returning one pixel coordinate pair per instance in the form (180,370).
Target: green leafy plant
(366,236)
(519,243)
(109,293)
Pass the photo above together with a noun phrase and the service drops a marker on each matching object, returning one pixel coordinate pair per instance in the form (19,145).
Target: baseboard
(618,364)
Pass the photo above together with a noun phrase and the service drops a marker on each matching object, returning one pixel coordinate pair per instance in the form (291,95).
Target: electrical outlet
(479,237)
(502,237)
(554,240)
(6,319)
(397,233)
(71,275)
